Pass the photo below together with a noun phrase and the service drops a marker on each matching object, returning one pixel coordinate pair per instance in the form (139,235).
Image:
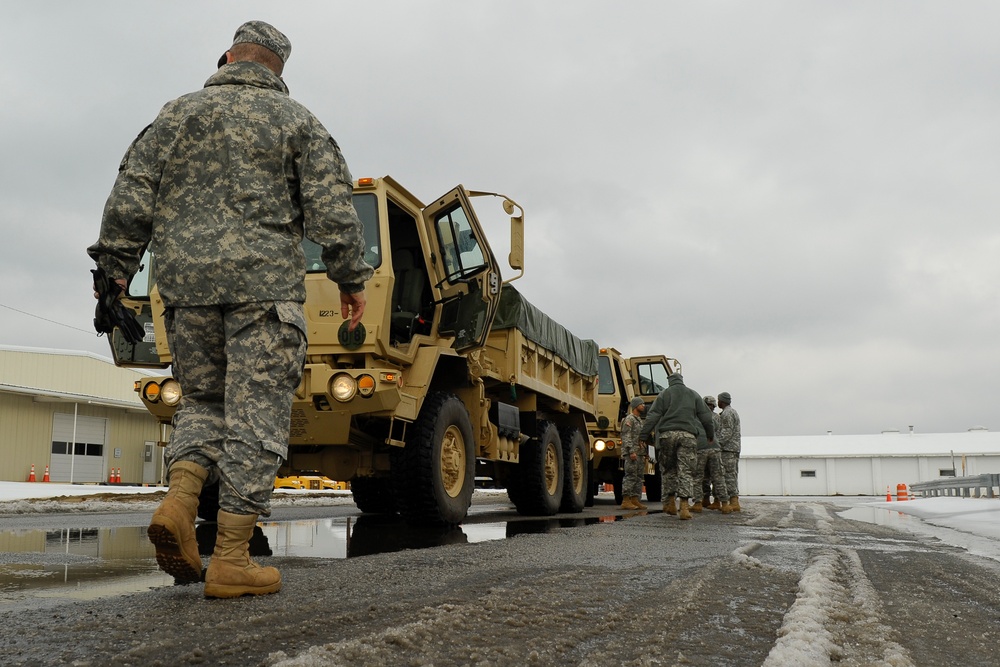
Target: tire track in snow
(837,614)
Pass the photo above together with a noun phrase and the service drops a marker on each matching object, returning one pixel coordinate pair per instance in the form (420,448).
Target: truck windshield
(606,380)
(367,207)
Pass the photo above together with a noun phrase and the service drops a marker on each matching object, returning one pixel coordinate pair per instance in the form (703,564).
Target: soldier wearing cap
(633,456)
(729,443)
(708,471)
(675,417)
(221,188)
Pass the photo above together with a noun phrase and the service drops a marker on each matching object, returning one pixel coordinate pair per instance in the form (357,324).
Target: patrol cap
(710,400)
(634,403)
(266,35)
(724,397)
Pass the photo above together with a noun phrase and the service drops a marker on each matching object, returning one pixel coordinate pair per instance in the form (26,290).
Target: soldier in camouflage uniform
(729,441)
(673,416)
(222,187)
(633,456)
(708,469)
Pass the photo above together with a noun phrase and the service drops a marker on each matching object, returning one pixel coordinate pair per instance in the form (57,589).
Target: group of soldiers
(695,447)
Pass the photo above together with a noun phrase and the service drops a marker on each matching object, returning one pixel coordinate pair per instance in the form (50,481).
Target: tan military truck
(451,374)
(620,380)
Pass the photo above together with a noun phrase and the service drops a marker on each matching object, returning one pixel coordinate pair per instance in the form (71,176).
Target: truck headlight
(343,387)
(599,445)
(170,392)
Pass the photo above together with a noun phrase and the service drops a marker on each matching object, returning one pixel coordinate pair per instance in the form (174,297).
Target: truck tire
(373,495)
(539,478)
(575,466)
(435,472)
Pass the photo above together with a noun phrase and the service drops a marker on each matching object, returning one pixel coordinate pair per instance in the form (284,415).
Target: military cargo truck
(620,380)
(450,375)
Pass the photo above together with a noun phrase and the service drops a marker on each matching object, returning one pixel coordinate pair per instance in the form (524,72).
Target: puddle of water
(877,515)
(88,563)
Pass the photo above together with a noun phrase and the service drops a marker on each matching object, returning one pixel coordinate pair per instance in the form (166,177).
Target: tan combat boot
(714,505)
(171,529)
(726,508)
(697,507)
(734,503)
(627,504)
(637,501)
(670,506)
(231,573)
(685,512)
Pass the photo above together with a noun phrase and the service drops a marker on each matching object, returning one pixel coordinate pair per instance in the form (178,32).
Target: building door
(85,460)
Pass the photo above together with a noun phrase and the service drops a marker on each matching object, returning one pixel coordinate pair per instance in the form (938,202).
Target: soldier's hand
(634,456)
(352,306)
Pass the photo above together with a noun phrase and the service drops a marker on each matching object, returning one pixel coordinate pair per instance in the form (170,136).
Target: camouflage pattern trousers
(634,472)
(238,366)
(709,470)
(676,455)
(731,466)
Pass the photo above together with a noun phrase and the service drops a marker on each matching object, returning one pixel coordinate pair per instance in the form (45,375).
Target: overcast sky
(799,200)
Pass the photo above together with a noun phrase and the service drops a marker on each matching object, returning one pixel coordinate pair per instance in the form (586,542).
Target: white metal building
(77,414)
(826,465)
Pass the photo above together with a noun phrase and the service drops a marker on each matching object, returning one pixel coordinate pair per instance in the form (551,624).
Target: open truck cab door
(467,273)
(649,375)
(141,297)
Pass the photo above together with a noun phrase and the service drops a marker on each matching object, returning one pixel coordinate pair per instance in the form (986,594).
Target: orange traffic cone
(111,476)
(46,477)
(118,475)
(31,475)
(888,496)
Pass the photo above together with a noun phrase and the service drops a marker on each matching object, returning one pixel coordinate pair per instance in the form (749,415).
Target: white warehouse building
(864,465)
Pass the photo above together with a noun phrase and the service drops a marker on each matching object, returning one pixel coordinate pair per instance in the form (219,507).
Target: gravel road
(785,582)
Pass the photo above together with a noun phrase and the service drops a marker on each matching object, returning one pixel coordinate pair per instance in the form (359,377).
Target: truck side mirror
(516,256)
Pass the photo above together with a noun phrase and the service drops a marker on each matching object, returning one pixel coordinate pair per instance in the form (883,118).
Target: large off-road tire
(373,495)
(434,474)
(575,466)
(539,478)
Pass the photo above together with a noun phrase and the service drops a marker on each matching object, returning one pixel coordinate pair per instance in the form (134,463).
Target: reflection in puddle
(88,563)
(878,515)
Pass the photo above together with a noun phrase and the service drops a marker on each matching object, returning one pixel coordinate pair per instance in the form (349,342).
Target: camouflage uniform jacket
(729,430)
(222,186)
(630,436)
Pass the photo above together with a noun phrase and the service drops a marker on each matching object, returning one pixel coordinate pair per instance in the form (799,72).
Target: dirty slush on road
(782,583)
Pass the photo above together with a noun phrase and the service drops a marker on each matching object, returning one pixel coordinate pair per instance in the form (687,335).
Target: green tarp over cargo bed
(515,312)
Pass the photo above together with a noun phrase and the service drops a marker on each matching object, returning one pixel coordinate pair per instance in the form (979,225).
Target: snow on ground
(971,523)
(45,497)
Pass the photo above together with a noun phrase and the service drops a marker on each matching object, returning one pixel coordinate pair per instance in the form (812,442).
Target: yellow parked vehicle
(312,480)
(621,380)
(451,375)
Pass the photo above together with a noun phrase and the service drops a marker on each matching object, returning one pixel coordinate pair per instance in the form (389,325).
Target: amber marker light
(366,182)
(366,386)
(388,377)
(151,392)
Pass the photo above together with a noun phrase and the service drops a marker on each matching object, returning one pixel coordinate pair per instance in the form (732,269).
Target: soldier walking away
(729,442)
(222,187)
(674,416)
(708,469)
(633,456)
